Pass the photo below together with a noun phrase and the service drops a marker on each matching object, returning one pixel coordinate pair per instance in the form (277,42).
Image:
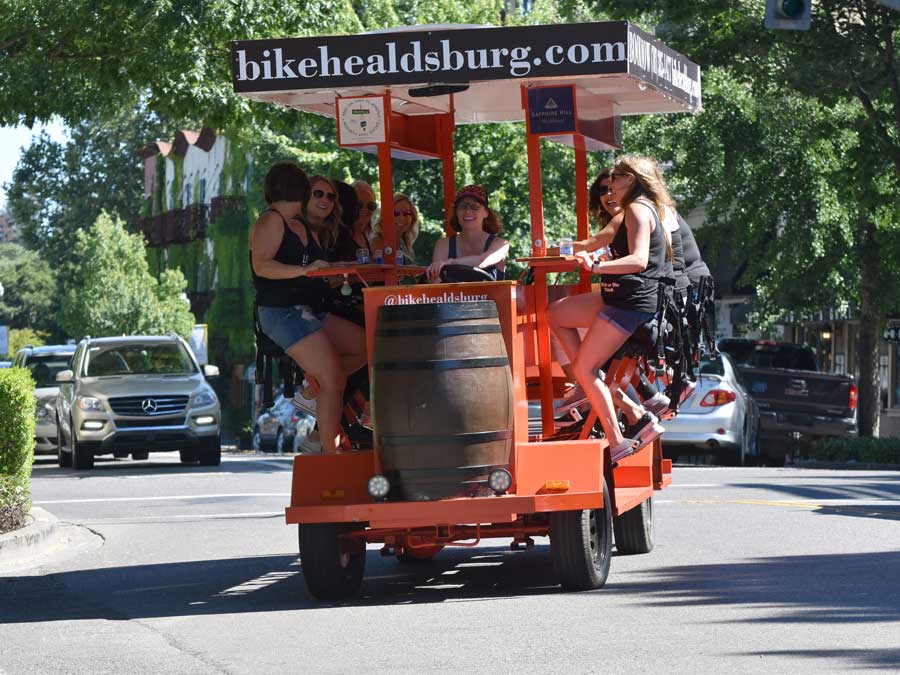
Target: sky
(12,139)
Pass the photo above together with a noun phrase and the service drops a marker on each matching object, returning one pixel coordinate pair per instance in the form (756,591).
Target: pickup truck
(796,401)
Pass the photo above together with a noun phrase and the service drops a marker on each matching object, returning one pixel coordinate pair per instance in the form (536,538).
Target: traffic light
(788,14)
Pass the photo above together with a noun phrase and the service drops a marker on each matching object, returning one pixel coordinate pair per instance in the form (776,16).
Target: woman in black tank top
(293,306)
(628,298)
(477,243)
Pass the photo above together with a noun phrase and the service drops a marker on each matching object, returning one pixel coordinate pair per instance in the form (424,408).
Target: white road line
(163,498)
(188,516)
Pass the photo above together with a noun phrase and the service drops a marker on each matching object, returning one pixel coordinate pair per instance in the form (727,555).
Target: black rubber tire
(581,546)
(120,454)
(188,456)
(634,529)
(209,451)
(279,442)
(256,443)
(82,455)
(330,573)
(63,454)
(140,456)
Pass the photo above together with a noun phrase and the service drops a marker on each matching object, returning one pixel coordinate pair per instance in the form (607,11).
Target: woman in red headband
(477,243)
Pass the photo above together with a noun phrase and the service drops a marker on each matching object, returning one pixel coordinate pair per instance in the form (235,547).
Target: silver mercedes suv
(133,395)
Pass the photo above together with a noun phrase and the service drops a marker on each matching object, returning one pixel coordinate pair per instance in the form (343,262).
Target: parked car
(44,363)
(5,364)
(796,401)
(720,415)
(136,394)
(281,427)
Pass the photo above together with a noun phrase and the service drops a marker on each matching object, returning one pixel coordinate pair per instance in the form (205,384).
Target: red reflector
(854,397)
(717,397)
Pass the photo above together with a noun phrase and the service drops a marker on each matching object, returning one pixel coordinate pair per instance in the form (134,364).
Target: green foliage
(22,337)
(112,291)
(16,446)
(58,189)
(30,298)
(858,449)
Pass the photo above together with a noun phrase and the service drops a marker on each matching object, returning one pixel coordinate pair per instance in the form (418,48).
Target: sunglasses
(372,206)
(613,176)
(398,213)
(602,190)
(468,206)
(321,194)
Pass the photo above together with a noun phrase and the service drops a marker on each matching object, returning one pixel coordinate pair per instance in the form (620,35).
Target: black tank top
(297,291)
(493,270)
(637,292)
(694,266)
(678,264)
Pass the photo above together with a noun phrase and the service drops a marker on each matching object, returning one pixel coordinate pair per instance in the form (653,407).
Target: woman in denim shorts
(629,284)
(293,306)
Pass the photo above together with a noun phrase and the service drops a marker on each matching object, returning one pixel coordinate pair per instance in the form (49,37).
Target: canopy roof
(617,69)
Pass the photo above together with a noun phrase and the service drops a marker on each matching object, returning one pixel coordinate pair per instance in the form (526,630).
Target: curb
(40,532)
(847,466)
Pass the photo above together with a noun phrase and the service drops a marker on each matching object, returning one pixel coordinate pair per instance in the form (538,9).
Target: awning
(617,69)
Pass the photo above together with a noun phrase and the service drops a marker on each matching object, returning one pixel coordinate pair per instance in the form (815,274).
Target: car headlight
(89,403)
(44,408)
(204,397)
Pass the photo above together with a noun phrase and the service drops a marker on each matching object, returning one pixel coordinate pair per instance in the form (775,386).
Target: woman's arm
(265,240)
(603,238)
(639,223)
(439,258)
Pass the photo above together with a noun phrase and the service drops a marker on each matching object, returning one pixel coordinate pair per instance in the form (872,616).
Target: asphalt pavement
(163,568)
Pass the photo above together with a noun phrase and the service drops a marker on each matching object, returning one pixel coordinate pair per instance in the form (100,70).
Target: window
(44,368)
(137,359)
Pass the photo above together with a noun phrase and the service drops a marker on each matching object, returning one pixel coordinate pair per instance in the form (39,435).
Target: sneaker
(646,430)
(657,404)
(622,450)
(571,401)
(305,404)
(310,445)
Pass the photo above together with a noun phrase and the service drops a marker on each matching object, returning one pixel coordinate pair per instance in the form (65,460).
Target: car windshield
(716,367)
(139,359)
(44,368)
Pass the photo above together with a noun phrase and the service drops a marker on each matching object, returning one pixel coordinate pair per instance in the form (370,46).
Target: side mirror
(210,371)
(65,376)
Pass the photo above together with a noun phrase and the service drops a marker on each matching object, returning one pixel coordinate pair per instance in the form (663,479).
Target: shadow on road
(815,589)
(882,659)
(107,466)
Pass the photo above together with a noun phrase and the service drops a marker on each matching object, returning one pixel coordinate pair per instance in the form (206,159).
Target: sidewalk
(37,535)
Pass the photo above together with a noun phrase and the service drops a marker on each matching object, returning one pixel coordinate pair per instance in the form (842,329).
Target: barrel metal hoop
(444,364)
(439,330)
(454,439)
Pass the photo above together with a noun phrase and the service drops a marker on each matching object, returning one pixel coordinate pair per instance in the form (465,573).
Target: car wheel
(82,455)
(188,456)
(634,529)
(140,455)
(581,545)
(256,440)
(279,442)
(333,565)
(209,451)
(63,453)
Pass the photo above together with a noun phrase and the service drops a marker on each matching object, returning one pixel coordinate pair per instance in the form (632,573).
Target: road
(171,569)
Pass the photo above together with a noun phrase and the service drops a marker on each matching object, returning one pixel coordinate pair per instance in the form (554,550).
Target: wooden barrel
(441,398)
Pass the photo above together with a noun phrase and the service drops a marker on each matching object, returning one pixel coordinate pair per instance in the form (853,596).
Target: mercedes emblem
(149,406)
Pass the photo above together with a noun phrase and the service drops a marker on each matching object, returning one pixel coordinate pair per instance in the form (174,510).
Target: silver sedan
(719,416)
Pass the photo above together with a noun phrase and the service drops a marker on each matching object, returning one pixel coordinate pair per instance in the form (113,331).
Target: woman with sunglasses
(323,210)
(476,243)
(406,224)
(355,237)
(629,289)
(292,306)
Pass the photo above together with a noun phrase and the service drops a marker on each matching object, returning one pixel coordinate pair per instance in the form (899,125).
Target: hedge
(16,446)
(858,449)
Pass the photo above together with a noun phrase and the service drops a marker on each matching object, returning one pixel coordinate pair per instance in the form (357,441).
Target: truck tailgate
(799,390)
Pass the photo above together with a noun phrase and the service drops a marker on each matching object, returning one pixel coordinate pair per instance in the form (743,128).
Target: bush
(16,446)
(858,449)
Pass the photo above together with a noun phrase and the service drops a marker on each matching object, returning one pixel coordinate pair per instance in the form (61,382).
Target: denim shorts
(625,320)
(286,326)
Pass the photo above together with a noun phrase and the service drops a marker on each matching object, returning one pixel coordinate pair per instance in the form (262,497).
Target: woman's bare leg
(569,314)
(316,355)
(601,342)
(349,342)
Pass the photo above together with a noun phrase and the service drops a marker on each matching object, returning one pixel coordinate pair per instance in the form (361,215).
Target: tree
(30,297)
(23,337)
(60,188)
(112,291)
(797,156)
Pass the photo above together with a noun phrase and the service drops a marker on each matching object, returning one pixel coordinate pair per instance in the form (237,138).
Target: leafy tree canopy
(29,299)
(113,292)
